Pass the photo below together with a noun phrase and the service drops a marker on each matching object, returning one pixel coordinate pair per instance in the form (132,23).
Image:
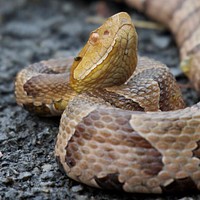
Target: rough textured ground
(32,30)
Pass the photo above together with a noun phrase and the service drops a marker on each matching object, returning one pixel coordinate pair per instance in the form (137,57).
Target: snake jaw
(99,67)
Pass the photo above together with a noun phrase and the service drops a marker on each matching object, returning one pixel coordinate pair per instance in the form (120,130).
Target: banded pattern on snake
(107,139)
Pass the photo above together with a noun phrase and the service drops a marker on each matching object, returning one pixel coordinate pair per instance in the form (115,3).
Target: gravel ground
(33,30)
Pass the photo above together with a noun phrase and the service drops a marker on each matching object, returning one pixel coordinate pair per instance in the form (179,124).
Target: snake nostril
(106,32)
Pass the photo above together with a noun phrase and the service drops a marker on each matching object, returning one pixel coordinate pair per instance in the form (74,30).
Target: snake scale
(123,127)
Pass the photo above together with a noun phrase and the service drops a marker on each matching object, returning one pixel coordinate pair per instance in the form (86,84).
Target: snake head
(108,58)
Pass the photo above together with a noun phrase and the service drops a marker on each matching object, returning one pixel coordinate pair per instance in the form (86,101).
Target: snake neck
(182,17)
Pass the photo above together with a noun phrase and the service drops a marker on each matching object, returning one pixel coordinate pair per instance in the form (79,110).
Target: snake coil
(123,127)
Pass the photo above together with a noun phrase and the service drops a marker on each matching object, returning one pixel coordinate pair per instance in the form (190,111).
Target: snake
(124,124)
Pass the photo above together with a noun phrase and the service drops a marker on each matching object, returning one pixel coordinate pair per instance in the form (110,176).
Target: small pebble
(47,175)
(77,188)
(4,164)
(11,194)
(24,176)
(47,184)
(3,137)
(27,195)
(161,42)
(36,190)
(81,197)
(46,167)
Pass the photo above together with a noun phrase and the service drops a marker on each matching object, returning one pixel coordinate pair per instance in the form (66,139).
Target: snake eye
(78,58)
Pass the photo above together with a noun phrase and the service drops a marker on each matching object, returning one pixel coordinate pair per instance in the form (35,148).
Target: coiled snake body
(107,139)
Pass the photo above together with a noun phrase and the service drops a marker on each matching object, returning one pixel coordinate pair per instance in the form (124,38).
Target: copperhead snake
(112,132)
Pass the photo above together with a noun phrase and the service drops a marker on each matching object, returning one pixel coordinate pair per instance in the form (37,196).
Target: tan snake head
(97,64)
